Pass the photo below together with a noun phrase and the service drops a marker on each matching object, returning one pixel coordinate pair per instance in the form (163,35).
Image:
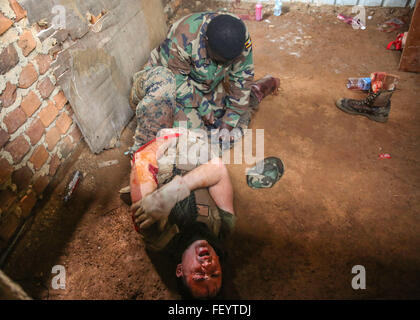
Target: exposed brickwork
(27,42)
(44,62)
(63,123)
(54,164)
(28,76)
(13,120)
(8,97)
(38,135)
(45,87)
(66,147)
(76,134)
(19,11)
(52,137)
(60,100)
(39,157)
(30,103)
(35,131)
(22,177)
(69,110)
(4,137)
(8,59)
(5,23)
(17,148)
(48,114)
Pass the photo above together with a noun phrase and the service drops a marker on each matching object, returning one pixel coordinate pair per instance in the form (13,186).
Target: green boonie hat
(272,172)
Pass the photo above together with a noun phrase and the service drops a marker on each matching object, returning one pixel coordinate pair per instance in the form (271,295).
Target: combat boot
(375,107)
(262,88)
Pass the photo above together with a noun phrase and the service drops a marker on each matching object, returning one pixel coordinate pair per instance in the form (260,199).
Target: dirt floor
(338,205)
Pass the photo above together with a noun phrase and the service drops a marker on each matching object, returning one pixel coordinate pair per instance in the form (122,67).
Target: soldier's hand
(209,119)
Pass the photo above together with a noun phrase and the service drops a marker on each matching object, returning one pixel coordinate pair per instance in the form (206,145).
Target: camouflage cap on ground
(271,173)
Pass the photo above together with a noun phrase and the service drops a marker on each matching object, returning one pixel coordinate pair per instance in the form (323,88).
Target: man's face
(201,270)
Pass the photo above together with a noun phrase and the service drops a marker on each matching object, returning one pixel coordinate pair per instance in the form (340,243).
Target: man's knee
(154,82)
(160,82)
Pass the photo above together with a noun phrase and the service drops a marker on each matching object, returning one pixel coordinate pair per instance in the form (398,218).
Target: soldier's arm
(241,78)
(214,176)
(178,59)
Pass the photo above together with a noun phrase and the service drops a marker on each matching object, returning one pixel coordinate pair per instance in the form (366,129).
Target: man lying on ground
(189,218)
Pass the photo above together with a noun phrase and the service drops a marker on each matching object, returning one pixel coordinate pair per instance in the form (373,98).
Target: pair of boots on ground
(377,105)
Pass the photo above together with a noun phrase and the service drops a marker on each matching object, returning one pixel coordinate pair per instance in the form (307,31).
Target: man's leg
(155,109)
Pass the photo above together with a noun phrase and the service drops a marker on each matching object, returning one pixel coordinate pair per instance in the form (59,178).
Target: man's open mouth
(203,252)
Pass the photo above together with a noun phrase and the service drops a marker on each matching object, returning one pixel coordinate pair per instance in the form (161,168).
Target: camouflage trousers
(154,97)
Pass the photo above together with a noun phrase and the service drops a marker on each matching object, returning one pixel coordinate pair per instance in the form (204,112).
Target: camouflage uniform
(200,81)
(153,94)
(265,173)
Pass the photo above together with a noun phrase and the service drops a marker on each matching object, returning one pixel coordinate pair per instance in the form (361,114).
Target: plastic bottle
(258,11)
(358,83)
(76,177)
(352,21)
(277,8)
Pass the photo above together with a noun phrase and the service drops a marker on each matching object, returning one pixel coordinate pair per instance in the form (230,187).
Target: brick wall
(37,132)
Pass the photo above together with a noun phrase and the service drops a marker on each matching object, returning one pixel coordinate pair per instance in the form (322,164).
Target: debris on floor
(355,23)
(391,25)
(108,163)
(399,42)
(384,156)
(358,83)
(77,176)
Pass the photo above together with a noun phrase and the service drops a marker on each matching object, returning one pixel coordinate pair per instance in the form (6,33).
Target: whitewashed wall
(368,3)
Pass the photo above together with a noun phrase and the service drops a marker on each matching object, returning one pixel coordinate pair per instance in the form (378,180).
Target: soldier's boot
(259,90)
(375,107)
(262,88)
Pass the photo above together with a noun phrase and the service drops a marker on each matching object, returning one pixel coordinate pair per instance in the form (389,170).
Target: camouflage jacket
(197,76)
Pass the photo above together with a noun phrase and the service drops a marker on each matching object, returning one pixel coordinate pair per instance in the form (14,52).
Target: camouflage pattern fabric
(154,91)
(272,172)
(199,80)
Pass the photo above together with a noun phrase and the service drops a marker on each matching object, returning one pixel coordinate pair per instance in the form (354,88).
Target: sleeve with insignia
(248,43)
